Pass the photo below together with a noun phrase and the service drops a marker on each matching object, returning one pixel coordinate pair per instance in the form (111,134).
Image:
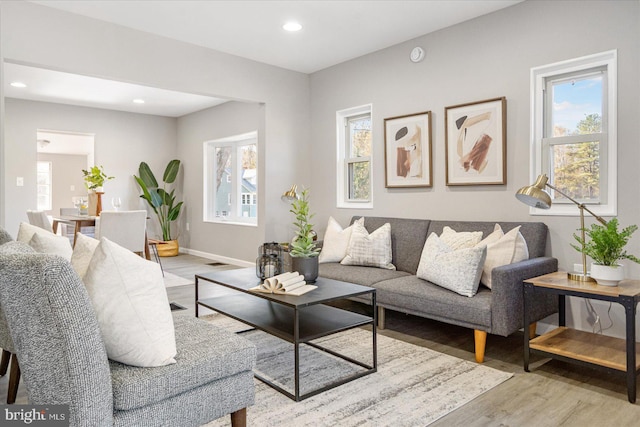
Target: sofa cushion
(373,250)
(460,240)
(205,354)
(51,244)
(83,251)
(132,307)
(410,294)
(407,239)
(457,270)
(502,249)
(365,276)
(335,242)
(534,233)
(4,236)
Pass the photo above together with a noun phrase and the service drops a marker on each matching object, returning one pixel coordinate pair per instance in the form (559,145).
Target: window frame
(235,195)
(541,117)
(49,205)
(344,159)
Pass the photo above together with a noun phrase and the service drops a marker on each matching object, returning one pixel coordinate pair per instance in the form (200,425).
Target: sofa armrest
(507,295)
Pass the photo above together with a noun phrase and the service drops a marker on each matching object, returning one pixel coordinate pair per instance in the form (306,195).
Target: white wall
(40,36)
(229,119)
(122,141)
(485,58)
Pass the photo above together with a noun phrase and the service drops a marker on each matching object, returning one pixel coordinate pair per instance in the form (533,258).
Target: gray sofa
(62,358)
(496,311)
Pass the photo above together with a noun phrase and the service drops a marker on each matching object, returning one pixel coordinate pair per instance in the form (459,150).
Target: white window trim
(342,172)
(538,76)
(237,220)
(50,186)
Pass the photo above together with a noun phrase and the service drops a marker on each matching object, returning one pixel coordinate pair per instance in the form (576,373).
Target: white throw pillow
(82,253)
(336,241)
(371,250)
(456,270)
(131,304)
(502,249)
(49,243)
(460,240)
(26,232)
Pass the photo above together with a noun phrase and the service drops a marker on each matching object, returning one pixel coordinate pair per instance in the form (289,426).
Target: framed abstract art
(476,143)
(407,151)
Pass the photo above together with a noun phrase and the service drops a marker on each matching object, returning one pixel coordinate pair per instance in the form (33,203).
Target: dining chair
(39,219)
(126,228)
(69,230)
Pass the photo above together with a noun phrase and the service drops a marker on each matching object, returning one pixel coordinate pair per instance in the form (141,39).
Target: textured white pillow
(336,241)
(82,253)
(49,243)
(131,304)
(26,232)
(502,249)
(461,240)
(458,271)
(371,250)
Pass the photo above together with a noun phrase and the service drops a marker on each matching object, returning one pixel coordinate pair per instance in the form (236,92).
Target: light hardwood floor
(552,394)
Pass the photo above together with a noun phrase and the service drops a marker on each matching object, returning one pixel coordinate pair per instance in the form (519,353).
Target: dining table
(79,221)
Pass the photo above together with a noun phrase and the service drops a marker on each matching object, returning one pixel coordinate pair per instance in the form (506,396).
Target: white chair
(39,219)
(126,228)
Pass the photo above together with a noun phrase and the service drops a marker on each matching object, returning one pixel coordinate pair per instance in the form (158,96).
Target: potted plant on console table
(94,179)
(303,250)
(606,248)
(162,202)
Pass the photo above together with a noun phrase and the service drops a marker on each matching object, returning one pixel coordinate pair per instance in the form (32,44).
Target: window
(354,158)
(574,132)
(231,179)
(44,184)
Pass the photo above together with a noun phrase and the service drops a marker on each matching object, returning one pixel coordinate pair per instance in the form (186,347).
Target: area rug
(171,280)
(414,386)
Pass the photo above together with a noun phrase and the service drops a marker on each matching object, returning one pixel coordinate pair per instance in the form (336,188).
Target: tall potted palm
(303,250)
(162,201)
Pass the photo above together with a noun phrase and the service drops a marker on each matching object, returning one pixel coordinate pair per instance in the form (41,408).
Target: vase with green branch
(162,200)
(94,178)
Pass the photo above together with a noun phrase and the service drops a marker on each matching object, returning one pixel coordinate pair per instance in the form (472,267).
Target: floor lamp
(536,196)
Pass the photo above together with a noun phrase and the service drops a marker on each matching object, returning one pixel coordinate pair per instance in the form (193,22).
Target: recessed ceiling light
(18,84)
(292,26)
(138,101)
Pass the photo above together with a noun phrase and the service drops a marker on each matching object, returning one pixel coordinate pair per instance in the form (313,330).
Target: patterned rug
(414,386)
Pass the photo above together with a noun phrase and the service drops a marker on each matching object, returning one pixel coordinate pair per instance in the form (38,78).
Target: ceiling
(333,32)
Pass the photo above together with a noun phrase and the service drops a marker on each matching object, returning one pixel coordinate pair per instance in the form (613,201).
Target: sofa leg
(4,363)
(14,380)
(480,338)
(239,418)
(532,330)
(380,317)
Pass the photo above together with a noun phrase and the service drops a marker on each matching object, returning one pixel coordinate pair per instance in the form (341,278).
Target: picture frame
(407,151)
(476,143)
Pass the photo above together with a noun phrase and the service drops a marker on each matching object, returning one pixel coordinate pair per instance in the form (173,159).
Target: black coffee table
(296,319)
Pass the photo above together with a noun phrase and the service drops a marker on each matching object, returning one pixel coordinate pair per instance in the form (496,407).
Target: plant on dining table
(161,200)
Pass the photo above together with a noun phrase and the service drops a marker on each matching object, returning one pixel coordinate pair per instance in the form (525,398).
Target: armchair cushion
(205,354)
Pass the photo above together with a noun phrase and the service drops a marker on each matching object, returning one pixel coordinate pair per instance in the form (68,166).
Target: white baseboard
(219,258)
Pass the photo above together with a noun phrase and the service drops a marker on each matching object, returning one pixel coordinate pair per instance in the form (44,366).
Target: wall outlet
(72,188)
(20,181)
(187,226)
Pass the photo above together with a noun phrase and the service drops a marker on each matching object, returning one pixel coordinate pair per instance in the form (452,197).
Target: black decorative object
(269,261)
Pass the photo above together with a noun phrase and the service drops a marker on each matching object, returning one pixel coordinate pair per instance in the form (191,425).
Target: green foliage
(303,244)
(160,200)
(95,177)
(606,246)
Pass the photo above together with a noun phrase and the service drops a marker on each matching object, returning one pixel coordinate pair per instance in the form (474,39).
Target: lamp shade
(535,195)
(291,194)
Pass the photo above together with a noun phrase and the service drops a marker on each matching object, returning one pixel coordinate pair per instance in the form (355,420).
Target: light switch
(72,188)
(20,181)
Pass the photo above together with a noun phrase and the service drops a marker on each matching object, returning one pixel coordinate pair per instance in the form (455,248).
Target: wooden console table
(595,350)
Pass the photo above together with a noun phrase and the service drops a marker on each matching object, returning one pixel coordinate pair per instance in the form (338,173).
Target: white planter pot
(607,275)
